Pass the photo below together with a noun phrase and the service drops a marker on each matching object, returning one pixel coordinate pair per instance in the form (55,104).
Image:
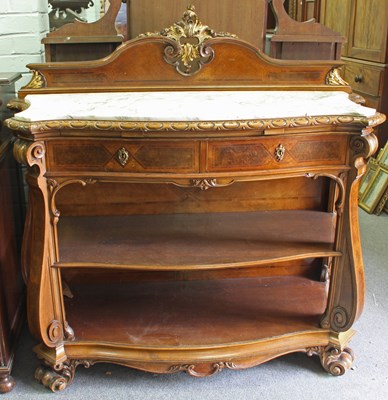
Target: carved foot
(50,379)
(333,360)
(7,383)
(337,362)
(61,375)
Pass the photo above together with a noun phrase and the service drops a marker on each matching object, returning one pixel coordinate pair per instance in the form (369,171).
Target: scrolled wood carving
(364,146)
(30,154)
(189,35)
(334,360)
(37,81)
(192,369)
(55,332)
(62,375)
(55,187)
(203,183)
(50,379)
(339,318)
(334,78)
(339,205)
(68,331)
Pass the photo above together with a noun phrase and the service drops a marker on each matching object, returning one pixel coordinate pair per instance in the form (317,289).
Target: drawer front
(275,153)
(124,156)
(363,78)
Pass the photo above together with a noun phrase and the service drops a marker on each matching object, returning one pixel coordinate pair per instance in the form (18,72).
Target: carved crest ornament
(190,36)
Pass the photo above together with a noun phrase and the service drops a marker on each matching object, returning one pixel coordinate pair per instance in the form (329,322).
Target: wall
(23,23)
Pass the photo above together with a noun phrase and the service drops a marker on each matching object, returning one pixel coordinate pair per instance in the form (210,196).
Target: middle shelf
(195,241)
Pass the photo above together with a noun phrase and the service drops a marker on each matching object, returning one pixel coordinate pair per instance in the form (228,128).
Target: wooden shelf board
(193,241)
(195,313)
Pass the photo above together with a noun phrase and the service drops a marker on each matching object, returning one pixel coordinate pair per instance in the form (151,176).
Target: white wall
(23,24)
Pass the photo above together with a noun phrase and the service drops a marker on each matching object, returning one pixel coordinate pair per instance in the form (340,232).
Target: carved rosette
(190,51)
(335,361)
(364,146)
(339,318)
(55,332)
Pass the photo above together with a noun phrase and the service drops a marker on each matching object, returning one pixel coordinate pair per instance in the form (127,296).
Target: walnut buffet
(188,194)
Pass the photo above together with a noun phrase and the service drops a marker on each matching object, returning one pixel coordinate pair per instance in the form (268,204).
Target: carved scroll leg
(7,383)
(50,379)
(334,360)
(61,375)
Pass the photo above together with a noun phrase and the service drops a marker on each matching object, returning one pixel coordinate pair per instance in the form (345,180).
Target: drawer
(123,156)
(363,78)
(274,153)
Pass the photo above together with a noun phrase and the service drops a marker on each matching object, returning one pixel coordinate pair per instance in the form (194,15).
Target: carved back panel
(247,21)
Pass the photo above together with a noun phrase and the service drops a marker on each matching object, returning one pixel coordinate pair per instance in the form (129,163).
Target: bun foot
(7,383)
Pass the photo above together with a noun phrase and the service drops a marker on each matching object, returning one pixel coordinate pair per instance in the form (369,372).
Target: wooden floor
(192,241)
(194,313)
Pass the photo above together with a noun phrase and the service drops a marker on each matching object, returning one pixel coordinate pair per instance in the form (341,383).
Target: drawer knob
(279,152)
(358,78)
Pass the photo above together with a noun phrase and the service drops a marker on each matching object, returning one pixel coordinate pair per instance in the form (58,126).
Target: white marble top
(189,106)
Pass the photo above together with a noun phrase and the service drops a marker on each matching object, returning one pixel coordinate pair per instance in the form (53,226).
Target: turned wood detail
(334,360)
(7,383)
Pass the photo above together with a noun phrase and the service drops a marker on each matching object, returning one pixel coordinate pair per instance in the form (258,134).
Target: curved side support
(43,300)
(346,297)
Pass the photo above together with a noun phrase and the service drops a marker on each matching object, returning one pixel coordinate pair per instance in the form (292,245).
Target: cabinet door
(336,15)
(368,30)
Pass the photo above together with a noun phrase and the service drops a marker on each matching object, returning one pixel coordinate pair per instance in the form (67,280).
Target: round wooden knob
(358,78)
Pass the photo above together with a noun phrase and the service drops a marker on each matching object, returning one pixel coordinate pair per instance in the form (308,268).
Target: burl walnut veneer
(193,207)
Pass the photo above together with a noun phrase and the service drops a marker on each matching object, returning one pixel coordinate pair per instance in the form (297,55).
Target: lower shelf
(194,241)
(180,314)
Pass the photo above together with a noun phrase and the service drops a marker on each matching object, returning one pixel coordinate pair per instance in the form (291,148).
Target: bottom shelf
(182,314)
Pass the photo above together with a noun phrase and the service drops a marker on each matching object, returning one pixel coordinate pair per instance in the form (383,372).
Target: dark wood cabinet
(11,219)
(365,25)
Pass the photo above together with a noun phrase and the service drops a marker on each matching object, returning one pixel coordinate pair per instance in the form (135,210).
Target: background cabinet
(11,206)
(365,52)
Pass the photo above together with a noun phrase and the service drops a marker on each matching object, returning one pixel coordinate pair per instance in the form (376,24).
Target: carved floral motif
(37,81)
(192,369)
(190,36)
(334,78)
